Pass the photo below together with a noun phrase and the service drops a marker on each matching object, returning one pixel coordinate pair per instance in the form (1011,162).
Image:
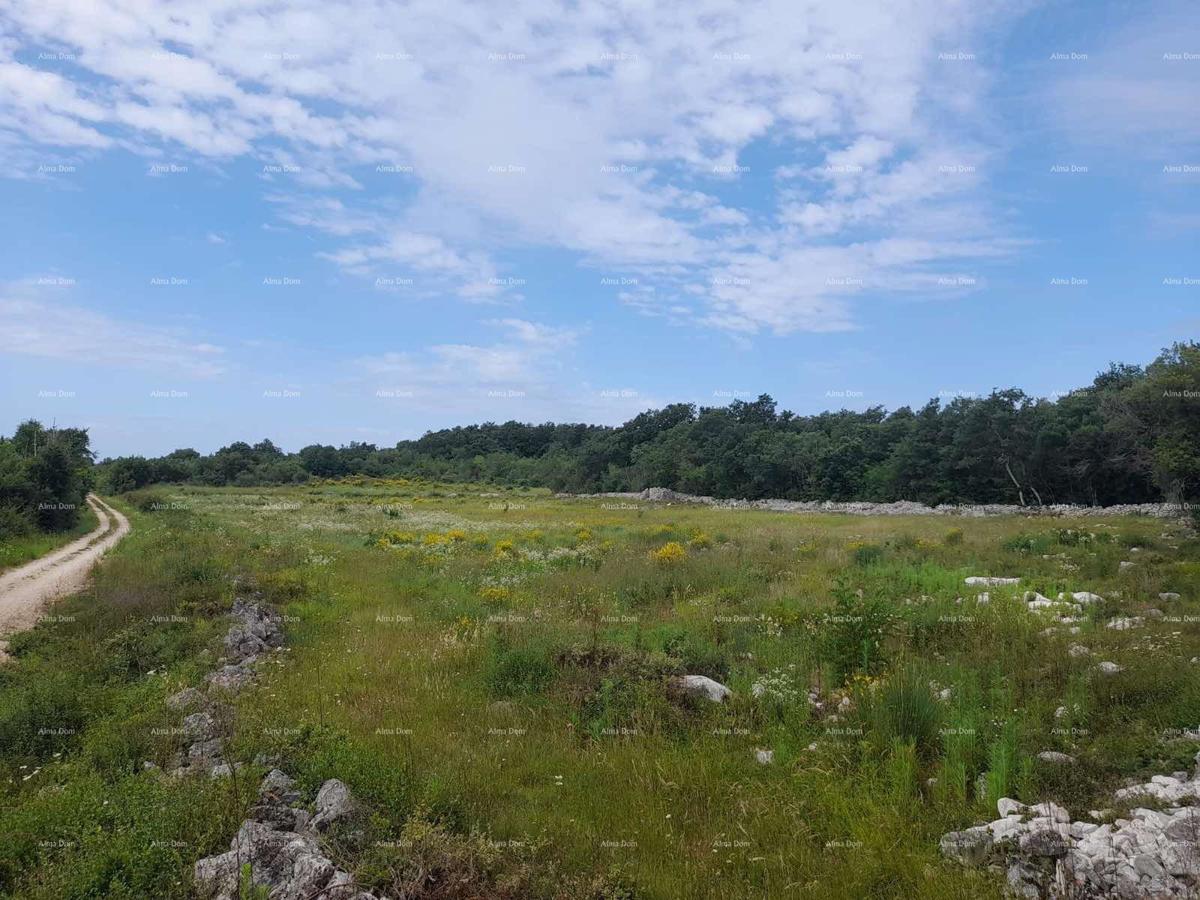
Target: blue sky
(340,222)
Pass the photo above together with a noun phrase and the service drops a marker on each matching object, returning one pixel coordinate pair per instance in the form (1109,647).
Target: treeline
(1132,436)
(45,474)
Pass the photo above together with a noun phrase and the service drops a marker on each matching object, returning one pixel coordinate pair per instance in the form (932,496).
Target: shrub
(669,553)
(852,635)
(867,554)
(13,523)
(953,537)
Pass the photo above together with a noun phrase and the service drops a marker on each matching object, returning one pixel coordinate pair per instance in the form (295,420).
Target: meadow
(492,672)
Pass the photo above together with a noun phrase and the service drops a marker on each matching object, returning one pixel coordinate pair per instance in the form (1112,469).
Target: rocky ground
(1153,853)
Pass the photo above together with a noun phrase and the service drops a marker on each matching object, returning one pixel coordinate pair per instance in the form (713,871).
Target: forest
(1132,435)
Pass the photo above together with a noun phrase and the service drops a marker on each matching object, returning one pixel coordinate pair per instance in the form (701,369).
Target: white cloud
(35,323)
(512,117)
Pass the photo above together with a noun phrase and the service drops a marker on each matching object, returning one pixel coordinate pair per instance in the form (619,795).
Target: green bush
(13,523)
(852,636)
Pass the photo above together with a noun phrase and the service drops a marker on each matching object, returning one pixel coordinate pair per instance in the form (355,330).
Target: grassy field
(19,550)
(490,672)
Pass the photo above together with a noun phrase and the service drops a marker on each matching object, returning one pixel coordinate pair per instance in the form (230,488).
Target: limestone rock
(703,686)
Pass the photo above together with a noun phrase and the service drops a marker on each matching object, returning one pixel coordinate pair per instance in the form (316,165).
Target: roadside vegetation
(492,671)
(45,474)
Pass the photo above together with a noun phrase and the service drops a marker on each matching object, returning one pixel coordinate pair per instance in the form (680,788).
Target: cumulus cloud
(532,125)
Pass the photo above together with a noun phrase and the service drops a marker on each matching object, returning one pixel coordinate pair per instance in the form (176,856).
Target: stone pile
(256,630)
(899,508)
(280,844)
(1150,854)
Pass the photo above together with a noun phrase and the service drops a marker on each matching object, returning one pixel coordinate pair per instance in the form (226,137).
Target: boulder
(1006,806)
(1053,756)
(990,581)
(969,847)
(1167,596)
(334,803)
(185,699)
(703,686)
(1110,668)
(1044,842)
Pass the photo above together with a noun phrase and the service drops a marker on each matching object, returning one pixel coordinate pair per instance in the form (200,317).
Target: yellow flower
(669,553)
(583,534)
(457,535)
(495,594)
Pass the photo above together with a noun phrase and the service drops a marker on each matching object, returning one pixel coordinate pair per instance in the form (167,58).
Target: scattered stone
(1110,668)
(1123,565)
(968,847)
(1053,756)
(230,678)
(764,757)
(1125,623)
(334,804)
(200,726)
(703,686)
(1168,596)
(1077,650)
(991,581)
(1085,597)
(186,698)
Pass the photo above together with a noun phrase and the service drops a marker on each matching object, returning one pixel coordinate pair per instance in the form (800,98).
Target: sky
(348,220)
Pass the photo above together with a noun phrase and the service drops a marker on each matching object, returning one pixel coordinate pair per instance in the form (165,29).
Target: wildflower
(669,553)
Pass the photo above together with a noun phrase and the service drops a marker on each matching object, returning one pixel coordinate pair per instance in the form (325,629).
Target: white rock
(1168,595)
(1006,806)
(1050,810)
(764,757)
(1110,668)
(991,581)
(1053,756)
(1077,650)
(1125,623)
(1123,565)
(703,686)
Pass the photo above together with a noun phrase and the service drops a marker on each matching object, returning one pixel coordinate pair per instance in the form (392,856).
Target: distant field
(490,671)
(16,551)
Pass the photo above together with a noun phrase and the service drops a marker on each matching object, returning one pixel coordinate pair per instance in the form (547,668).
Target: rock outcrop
(282,849)
(1150,854)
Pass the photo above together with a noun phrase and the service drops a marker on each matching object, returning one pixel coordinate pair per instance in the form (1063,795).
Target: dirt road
(26,591)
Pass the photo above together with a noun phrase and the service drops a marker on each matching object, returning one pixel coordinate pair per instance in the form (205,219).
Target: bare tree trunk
(1020,493)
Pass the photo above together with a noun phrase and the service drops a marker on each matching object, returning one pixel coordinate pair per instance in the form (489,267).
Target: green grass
(16,551)
(491,674)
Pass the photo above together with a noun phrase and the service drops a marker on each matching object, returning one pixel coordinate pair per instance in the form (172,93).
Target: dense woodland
(45,473)
(1133,435)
